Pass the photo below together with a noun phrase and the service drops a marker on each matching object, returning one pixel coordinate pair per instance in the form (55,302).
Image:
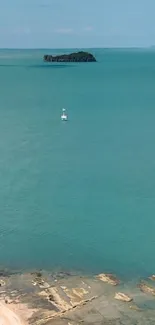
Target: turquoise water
(78,195)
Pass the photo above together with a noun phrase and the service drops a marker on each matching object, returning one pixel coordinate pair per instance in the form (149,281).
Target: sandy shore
(8,317)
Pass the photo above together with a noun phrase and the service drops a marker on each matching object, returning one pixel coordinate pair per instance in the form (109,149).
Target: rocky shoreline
(73,57)
(42,298)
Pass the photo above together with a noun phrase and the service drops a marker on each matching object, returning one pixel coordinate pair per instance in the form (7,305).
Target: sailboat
(64,116)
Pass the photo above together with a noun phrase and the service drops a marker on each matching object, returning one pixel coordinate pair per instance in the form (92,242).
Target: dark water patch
(52,66)
(37,66)
(8,272)
(38,302)
(147,304)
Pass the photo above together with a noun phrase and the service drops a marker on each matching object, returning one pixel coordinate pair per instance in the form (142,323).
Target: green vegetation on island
(73,57)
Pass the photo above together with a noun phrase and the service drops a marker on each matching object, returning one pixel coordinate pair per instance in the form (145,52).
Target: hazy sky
(77,23)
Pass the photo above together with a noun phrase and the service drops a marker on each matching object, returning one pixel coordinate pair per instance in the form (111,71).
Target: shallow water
(95,299)
(78,195)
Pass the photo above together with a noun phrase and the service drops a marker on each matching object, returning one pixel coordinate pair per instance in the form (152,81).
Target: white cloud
(64,30)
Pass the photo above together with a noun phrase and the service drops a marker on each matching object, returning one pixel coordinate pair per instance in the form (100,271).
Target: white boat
(64,116)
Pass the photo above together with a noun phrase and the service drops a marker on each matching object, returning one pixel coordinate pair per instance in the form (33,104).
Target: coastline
(68,299)
(8,316)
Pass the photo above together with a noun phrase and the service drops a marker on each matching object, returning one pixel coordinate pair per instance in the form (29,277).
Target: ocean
(78,195)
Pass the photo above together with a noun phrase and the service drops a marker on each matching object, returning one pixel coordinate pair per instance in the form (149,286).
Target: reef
(42,298)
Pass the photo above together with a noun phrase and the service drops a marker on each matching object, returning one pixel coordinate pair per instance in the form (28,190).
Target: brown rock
(109,278)
(121,296)
(146,289)
(152,277)
(2,283)
(76,295)
(41,283)
(8,300)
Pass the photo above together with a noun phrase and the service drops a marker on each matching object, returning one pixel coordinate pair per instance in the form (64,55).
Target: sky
(77,24)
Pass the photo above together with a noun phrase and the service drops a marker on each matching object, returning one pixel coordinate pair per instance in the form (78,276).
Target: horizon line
(76,48)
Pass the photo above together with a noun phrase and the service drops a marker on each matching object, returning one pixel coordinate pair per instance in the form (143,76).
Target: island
(73,57)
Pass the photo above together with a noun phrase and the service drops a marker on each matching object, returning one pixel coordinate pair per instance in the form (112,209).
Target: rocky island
(73,57)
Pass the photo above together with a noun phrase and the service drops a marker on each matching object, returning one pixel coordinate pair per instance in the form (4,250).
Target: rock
(57,299)
(2,283)
(152,277)
(80,292)
(73,57)
(109,278)
(8,300)
(14,292)
(121,296)
(146,289)
(76,295)
(39,280)
(44,285)
(51,298)
(41,283)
